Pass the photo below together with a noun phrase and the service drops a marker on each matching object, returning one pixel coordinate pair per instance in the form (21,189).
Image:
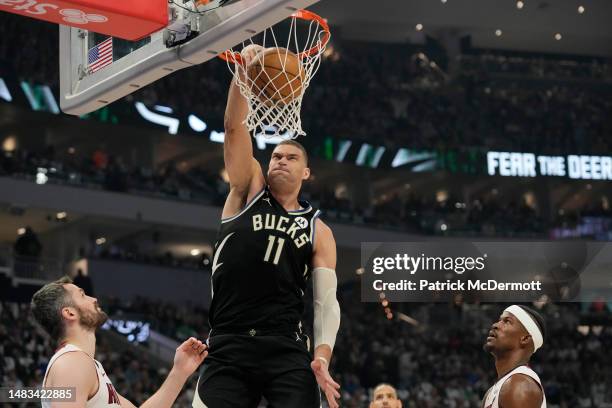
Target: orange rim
(236,58)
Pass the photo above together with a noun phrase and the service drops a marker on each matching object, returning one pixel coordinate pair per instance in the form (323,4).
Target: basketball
(276,75)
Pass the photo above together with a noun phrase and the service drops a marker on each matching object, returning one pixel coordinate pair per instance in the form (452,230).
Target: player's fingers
(334,391)
(331,381)
(331,400)
(334,384)
(187,343)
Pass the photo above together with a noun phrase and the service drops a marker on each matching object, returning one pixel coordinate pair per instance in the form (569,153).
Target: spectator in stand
(438,364)
(84,282)
(28,245)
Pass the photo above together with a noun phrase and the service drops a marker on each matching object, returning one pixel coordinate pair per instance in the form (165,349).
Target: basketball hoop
(275,99)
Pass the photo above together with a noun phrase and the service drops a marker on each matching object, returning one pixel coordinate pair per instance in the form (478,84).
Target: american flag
(100,55)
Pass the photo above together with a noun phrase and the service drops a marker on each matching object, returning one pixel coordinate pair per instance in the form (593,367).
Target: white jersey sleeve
(105,397)
(492,396)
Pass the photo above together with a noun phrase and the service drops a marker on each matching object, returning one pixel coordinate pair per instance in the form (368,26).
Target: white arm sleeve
(326,307)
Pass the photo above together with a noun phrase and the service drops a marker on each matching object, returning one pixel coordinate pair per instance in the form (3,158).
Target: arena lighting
(4,91)
(21,231)
(41,176)
(443,1)
(196,123)
(441,196)
(9,144)
(498,32)
(419,27)
(195,252)
(558,36)
(443,227)
(135,331)
(61,216)
(171,123)
(583,329)
(405,318)
(40,97)
(520,4)
(359,271)
(163,109)
(581,9)
(100,241)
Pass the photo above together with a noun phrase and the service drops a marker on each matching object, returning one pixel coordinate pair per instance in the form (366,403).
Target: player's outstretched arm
(244,172)
(187,359)
(520,391)
(326,309)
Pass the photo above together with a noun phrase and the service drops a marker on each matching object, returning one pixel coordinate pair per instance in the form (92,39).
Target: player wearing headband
(512,340)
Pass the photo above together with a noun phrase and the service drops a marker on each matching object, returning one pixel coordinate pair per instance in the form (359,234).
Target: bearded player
(512,341)
(71,318)
(269,244)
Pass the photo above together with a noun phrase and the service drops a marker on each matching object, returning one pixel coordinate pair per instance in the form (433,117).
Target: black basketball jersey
(261,264)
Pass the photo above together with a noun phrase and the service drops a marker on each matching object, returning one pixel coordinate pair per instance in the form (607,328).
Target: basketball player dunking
(268,245)
(71,318)
(512,340)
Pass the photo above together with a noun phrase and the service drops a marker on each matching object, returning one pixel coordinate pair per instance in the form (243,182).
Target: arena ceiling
(531,28)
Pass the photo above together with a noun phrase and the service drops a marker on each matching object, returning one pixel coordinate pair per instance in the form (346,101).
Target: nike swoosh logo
(216,263)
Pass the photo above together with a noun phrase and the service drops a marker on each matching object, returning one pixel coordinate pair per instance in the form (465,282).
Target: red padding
(127,19)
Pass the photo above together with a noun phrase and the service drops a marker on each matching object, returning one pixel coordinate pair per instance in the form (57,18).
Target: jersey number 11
(279,248)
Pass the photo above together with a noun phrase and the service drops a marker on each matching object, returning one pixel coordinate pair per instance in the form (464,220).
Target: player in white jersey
(512,340)
(71,319)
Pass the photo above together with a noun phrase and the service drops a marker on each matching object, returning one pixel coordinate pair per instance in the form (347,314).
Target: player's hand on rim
(326,382)
(248,54)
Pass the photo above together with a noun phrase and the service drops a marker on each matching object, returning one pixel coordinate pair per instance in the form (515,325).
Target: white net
(275,80)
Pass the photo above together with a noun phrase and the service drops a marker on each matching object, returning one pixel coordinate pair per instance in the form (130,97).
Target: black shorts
(241,369)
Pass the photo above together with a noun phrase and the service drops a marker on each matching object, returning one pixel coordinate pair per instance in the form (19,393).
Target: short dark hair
(47,304)
(292,142)
(537,317)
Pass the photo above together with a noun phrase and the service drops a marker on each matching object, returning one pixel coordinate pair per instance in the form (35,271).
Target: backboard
(90,78)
